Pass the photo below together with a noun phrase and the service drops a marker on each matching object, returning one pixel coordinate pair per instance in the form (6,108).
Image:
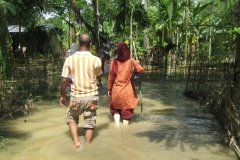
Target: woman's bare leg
(117,119)
(126,122)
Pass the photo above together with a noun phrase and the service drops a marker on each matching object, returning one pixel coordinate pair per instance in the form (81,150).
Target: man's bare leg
(74,130)
(88,135)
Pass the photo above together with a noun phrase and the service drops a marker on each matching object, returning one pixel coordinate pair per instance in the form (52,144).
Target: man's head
(84,42)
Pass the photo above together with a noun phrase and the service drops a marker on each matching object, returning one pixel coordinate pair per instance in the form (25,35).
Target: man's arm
(63,87)
(65,73)
(98,67)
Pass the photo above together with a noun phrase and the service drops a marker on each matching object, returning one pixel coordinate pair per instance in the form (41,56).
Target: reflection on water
(173,127)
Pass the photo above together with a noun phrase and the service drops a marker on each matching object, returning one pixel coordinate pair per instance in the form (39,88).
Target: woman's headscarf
(123,54)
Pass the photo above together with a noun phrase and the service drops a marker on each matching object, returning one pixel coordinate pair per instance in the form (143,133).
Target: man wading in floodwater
(84,69)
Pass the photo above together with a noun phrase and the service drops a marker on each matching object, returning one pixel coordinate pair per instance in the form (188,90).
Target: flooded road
(172,128)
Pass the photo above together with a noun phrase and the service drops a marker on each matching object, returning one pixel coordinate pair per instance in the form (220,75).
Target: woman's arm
(110,80)
(138,67)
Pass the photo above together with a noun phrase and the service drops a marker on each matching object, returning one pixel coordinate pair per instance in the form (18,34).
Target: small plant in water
(2,142)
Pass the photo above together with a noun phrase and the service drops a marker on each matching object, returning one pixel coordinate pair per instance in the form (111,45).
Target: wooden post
(69,26)
(131,32)
(146,31)
(1,78)
(237,59)
(96,25)
(185,35)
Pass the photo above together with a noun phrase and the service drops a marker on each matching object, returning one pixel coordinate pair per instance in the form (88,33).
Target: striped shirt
(83,67)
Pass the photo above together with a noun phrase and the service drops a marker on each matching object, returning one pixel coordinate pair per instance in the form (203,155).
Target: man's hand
(93,105)
(63,101)
(63,87)
(73,105)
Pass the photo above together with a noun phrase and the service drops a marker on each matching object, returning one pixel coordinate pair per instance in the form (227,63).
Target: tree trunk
(4,44)
(146,31)
(165,52)
(131,32)
(69,27)
(189,74)
(81,19)
(186,35)
(96,25)
(166,63)
(210,45)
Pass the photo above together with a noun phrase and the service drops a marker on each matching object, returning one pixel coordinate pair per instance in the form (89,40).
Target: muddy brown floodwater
(172,128)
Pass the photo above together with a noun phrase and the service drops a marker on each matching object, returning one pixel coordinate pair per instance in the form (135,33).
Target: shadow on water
(182,124)
(177,136)
(9,132)
(13,134)
(167,111)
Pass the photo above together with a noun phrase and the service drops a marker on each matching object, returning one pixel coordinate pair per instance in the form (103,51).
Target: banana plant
(165,17)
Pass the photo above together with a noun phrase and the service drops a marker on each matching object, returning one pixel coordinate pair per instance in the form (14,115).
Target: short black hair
(85,40)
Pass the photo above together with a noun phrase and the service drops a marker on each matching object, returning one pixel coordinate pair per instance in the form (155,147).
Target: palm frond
(8,6)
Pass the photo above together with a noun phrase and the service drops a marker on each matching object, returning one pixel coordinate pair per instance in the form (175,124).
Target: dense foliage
(165,22)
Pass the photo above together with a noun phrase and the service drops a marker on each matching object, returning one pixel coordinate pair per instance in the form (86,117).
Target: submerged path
(172,128)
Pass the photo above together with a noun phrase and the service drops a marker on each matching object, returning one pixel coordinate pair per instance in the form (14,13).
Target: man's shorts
(82,105)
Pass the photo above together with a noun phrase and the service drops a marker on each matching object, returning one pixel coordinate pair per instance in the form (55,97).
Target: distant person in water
(84,69)
(123,96)
(105,67)
(107,62)
(105,57)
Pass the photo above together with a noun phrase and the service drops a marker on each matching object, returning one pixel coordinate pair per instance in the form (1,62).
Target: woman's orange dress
(123,93)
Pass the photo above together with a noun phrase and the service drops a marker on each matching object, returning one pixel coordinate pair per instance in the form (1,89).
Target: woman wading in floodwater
(123,96)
